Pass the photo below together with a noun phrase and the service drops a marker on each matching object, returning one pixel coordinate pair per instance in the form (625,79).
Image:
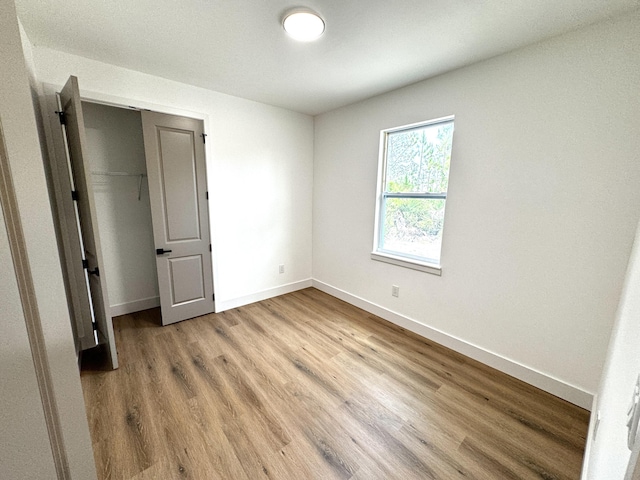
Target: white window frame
(403,260)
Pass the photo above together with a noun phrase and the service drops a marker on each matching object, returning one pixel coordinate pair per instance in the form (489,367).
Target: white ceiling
(238,46)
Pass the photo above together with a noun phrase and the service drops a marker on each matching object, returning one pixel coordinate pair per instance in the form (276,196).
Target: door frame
(53,143)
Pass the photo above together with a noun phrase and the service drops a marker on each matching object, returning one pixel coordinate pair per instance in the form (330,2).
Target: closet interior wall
(117,161)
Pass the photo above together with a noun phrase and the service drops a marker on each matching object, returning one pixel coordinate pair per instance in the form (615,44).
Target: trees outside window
(415,175)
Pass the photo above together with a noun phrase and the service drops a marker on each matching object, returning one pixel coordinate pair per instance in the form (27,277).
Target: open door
(174,150)
(67,227)
(83,196)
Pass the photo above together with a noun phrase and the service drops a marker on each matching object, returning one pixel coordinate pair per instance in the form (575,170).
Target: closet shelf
(125,174)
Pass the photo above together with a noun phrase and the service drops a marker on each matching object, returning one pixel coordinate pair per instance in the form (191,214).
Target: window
(412,192)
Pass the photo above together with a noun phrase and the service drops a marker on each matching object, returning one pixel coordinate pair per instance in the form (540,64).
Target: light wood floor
(304,386)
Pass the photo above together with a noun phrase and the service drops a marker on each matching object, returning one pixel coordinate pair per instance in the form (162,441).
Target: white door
(76,141)
(174,149)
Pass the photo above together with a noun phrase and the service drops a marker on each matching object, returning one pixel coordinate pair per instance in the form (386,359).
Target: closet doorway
(141,222)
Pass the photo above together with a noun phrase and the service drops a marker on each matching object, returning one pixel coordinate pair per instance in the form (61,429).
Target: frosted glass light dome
(304,26)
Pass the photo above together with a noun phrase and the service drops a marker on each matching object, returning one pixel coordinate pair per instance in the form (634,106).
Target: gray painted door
(76,141)
(176,170)
(75,276)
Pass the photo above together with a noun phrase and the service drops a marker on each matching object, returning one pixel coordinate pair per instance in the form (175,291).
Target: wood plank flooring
(304,386)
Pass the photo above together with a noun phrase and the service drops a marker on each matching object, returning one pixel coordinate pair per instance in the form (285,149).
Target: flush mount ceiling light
(303,25)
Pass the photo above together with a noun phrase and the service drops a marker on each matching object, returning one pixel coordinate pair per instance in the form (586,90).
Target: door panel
(72,108)
(179,183)
(187,277)
(176,170)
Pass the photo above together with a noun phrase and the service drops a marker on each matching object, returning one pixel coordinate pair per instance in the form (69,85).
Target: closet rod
(125,174)
(120,174)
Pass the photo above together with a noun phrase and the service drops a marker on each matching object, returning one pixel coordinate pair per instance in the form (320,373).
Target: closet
(121,192)
(132,216)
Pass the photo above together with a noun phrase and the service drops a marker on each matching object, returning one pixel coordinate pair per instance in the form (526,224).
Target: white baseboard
(590,439)
(545,382)
(135,306)
(222,305)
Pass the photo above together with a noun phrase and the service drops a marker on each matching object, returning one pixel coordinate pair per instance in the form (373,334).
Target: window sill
(407,263)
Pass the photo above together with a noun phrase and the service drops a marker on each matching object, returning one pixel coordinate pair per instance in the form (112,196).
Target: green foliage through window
(417,161)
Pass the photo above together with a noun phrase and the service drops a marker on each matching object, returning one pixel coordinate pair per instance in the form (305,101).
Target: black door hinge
(204,137)
(209,247)
(85,264)
(95,326)
(207,194)
(62,117)
(74,195)
(214,297)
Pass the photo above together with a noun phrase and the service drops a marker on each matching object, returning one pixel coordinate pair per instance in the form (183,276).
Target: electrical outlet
(395,290)
(281,268)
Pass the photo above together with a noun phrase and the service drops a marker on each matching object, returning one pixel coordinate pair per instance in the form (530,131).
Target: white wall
(543,203)
(259,165)
(607,454)
(24,430)
(24,442)
(115,144)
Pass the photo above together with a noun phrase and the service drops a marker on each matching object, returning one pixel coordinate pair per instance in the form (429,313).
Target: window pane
(418,159)
(413,226)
